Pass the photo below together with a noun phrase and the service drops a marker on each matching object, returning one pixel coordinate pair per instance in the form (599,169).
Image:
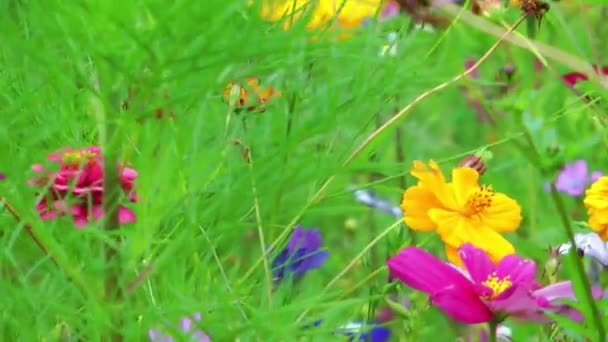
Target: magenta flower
(484,292)
(77,187)
(574,178)
(2,176)
(186,327)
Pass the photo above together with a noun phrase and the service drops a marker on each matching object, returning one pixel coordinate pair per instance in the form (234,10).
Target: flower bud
(475,162)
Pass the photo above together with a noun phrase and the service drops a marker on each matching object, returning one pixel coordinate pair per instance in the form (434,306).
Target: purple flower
(2,176)
(484,291)
(301,255)
(187,327)
(574,178)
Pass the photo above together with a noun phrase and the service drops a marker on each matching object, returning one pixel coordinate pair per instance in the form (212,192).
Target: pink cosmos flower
(77,187)
(483,292)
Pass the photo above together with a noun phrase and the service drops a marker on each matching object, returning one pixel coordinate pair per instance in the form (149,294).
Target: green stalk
(492,327)
(535,157)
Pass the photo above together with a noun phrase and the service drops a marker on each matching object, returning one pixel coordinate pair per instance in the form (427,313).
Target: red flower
(574,77)
(77,188)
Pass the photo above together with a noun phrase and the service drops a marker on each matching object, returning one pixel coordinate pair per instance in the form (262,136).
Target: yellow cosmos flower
(460,211)
(596,202)
(348,14)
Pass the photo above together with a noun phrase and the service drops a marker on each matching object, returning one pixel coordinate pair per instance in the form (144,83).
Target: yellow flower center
(77,157)
(480,200)
(497,285)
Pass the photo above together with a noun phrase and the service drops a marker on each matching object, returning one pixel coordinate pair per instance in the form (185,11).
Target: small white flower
(371,200)
(590,245)
(503,333)
(424,27)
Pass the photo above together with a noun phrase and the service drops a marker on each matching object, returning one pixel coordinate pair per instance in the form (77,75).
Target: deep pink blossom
(484,291)
(76,189)
(574,77)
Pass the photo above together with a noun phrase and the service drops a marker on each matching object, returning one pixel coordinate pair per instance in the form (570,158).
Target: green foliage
(196,245)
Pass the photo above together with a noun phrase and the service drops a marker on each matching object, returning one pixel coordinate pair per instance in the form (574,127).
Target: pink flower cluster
(76,189)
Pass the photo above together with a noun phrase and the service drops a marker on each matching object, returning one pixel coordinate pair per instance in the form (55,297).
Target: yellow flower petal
(456,230)
(503,215)
(432,178)
(465,181)
(451,225)
(596,202)
(416,203)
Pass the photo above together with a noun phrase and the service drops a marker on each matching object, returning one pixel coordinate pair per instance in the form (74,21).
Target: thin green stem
(258,220)
(492,327)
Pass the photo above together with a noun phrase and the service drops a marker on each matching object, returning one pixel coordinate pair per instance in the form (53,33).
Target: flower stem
(28,229)
(492,327)
(580,268)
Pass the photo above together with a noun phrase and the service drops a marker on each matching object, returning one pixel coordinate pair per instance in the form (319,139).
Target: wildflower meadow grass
(272,171)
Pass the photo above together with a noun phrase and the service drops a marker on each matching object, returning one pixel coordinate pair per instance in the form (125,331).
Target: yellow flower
(348,14)
(596,202)
(460,211)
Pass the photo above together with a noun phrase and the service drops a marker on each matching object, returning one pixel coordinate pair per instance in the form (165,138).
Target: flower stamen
(496,285)
(479,200)
(77,157)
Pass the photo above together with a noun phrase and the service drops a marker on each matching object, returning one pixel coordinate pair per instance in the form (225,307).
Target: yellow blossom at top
(348,14)
(460,211)
(596,202)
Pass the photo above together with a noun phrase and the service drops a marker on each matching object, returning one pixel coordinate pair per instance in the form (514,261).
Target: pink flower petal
(520,304)
(97,211)
(463,306)
(477,262)
(422,271)
(561,290)
(129,174)
(125,215)
(521,272)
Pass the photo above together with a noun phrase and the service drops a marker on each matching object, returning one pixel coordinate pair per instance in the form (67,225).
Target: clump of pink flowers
(76,188)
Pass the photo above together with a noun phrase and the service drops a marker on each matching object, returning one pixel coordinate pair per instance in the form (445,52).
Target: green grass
(66,65)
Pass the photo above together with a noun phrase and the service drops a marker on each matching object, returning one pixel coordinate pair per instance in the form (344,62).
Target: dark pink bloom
(574,77)
(77,187)
(484,291)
